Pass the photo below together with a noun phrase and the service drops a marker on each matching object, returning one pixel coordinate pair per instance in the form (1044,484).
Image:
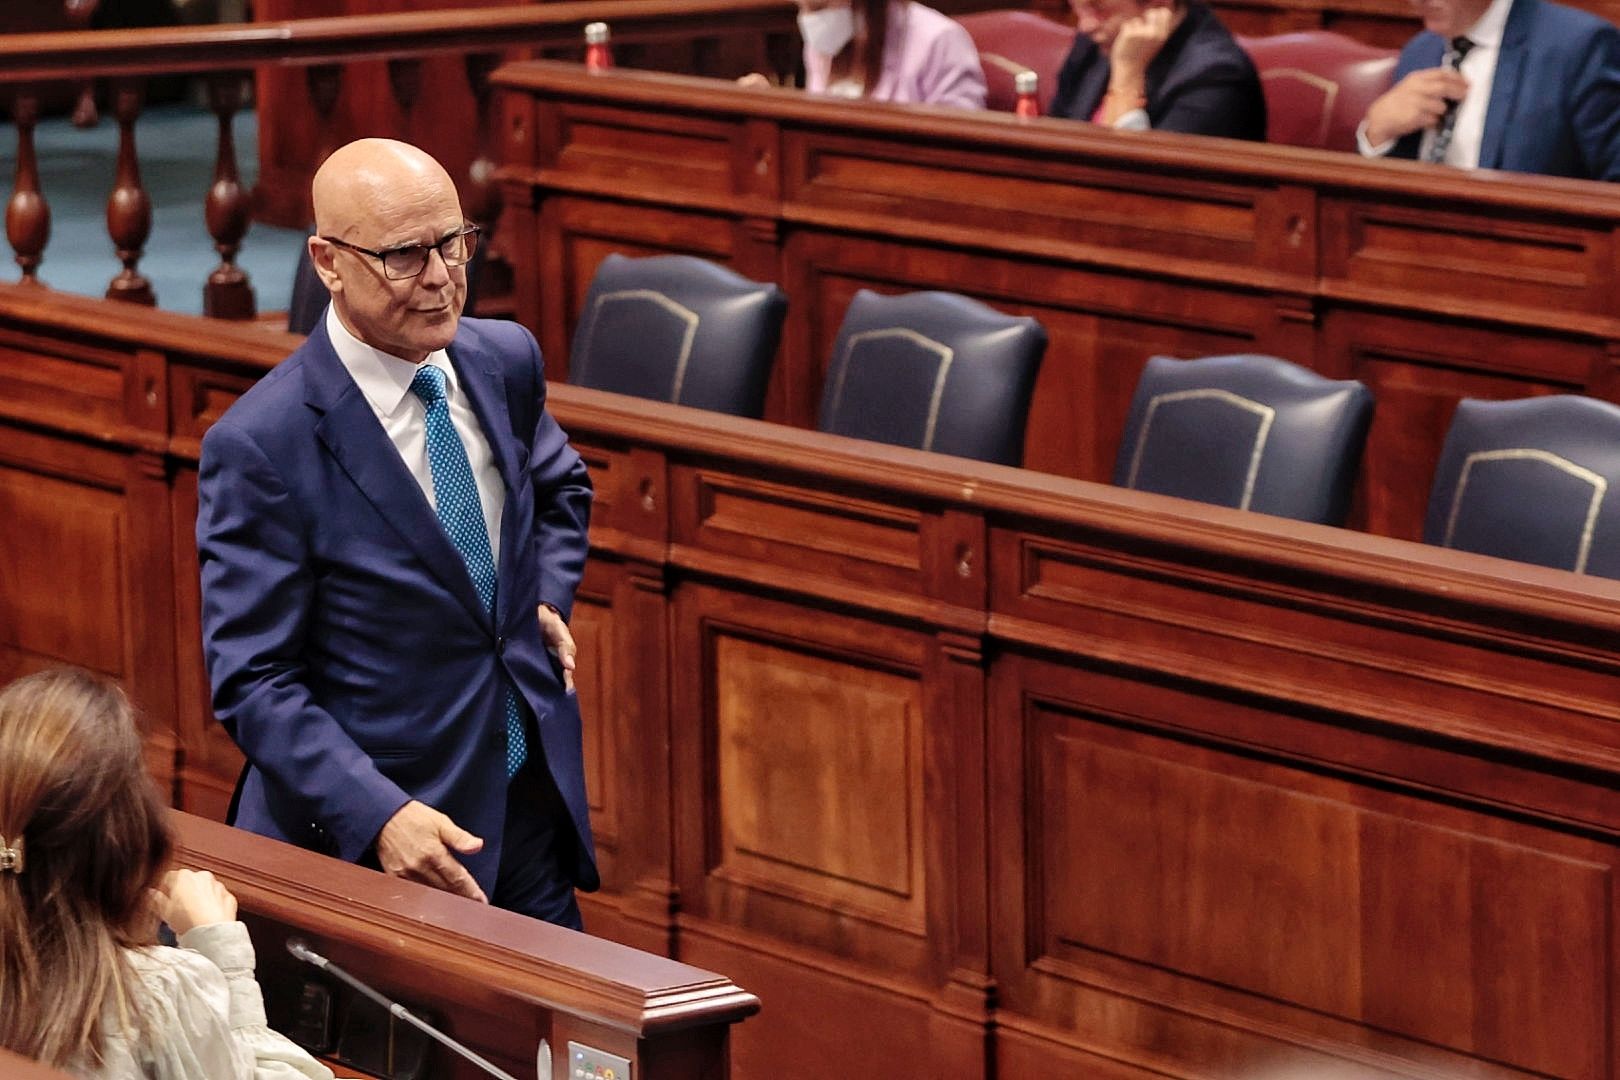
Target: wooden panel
(592,626)
(63,592)
(1541,260)
(1166,870)
(79,389)
(678,154)
(809,798)
(845,536)
(1184,215)
(817,796)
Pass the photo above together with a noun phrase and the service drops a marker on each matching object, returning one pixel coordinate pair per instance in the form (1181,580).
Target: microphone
(303,953)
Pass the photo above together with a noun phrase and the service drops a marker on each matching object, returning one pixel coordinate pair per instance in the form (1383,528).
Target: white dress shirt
(1479,68)
(385,381)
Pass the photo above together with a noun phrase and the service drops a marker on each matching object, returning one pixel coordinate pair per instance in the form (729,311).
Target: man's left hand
(559,642)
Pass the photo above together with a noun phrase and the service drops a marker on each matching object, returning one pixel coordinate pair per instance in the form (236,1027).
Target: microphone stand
(303,952)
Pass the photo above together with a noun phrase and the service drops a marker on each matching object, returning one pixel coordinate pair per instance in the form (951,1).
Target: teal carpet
(176,146)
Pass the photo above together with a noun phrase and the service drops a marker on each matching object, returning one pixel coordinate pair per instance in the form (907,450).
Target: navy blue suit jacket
(1201,83)
(1555,99)
(350,656)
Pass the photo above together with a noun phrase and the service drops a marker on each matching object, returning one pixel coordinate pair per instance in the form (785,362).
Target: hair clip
(11,855)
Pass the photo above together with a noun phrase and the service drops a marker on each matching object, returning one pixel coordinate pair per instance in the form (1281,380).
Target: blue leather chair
(679,329)
(1529,480)
(935,371)
(1251,432)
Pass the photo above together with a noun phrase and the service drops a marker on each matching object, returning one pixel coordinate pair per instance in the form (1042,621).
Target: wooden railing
(497,982)
(1424,282)
(227,55)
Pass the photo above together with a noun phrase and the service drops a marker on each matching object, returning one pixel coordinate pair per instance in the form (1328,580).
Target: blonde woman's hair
(94,833)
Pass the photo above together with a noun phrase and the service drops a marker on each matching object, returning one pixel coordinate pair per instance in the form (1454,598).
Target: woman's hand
(189,898)
(754,81)
(1139,40)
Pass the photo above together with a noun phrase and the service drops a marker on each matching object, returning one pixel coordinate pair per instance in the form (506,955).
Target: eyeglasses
(404,263)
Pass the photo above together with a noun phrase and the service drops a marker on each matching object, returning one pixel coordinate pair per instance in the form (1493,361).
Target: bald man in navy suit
(391,528)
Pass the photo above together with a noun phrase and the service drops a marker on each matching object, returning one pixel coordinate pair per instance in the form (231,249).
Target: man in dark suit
(1160,65)
(391,528)
(1522,85)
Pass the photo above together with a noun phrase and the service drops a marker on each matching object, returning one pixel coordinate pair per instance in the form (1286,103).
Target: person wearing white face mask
(924,58)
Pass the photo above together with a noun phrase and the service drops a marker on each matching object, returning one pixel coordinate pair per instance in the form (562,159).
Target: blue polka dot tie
(462,515)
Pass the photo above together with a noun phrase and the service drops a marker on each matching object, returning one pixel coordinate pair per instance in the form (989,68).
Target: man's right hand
(1416,102)
(416,844)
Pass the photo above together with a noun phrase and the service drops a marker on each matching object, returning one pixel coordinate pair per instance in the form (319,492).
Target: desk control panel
(589,1063)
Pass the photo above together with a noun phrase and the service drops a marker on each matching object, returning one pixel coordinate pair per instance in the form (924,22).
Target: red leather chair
(1318,85)
(1014,41)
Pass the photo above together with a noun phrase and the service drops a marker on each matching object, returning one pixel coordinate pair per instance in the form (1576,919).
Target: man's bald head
(367,172)
(377,196)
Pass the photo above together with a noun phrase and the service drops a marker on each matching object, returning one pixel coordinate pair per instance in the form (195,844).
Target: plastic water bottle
(598,53)
(1028,105)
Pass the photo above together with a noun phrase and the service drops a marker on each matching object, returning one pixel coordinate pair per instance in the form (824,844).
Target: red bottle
(598,54)
(1028,105)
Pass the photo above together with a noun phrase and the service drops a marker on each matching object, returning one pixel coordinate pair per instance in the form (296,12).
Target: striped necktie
(455,494)
(1448,120)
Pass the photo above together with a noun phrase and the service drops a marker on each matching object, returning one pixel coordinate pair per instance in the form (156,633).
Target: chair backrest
(1529,480)
(680,329)
(309,295)
(1251,432)
(1318,85)
(1014,41)
(935,371)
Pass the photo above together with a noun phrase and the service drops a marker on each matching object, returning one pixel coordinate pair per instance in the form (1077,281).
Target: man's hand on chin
(416,843)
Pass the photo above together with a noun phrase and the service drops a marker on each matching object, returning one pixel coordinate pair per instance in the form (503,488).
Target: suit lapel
(1505,84)
(357,442)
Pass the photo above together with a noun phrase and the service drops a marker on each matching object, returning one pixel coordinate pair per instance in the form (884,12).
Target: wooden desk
(966,770)
(1425,283)
(498,982)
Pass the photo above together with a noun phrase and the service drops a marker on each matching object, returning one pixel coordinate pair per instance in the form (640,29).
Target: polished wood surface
(1426,283)
(973,771)
(496,981)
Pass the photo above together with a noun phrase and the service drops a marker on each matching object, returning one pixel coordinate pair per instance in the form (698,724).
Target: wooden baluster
(405,80)
(129,209)
(28,215)
(324,81)
(483,200)
(228,295)
(79,13)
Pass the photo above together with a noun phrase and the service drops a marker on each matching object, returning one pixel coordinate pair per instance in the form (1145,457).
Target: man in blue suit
(1521,85)
(391,528)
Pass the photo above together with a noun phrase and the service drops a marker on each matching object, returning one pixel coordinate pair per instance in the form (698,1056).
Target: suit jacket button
(500,644)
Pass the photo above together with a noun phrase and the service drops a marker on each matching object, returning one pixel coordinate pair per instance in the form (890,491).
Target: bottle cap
(1024,82)
(596,33)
